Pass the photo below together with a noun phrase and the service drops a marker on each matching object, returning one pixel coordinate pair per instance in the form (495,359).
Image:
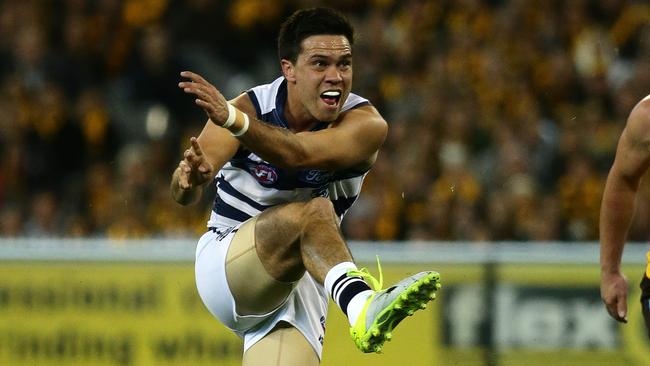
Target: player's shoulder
(268,88)
(637,129)
(259,99)
(642,110)
(354,101)
(639,118)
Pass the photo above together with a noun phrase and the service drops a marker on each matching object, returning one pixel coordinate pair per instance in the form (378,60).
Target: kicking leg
(288,240)
(305,236)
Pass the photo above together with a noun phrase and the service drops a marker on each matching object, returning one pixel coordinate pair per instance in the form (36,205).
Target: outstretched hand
(207,96)
(195,169)
(613,291)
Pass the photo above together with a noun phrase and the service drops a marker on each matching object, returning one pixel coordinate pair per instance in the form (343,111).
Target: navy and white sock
(350,293)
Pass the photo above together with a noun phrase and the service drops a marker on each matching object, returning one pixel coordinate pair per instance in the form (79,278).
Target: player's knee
(319,208)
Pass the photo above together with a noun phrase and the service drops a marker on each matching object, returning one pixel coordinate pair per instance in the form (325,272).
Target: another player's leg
(285,345)
(305,236)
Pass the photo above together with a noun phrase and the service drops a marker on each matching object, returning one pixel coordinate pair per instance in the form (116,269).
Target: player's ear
(288,70)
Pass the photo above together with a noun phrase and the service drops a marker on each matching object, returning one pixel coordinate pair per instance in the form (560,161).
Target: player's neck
(297,117)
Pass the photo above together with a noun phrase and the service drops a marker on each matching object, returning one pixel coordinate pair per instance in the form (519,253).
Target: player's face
(322,75)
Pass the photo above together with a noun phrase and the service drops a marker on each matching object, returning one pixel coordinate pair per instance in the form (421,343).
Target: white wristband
(244,128)
(232,115)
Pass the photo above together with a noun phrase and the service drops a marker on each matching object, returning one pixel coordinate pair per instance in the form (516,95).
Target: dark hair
(310,22)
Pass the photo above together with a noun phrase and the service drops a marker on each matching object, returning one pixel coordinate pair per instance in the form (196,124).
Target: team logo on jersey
(265,174)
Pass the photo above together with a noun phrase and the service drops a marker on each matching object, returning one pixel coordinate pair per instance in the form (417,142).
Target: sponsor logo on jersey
(315,176)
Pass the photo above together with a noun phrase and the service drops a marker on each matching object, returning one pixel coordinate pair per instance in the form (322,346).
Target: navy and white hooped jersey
(247,185)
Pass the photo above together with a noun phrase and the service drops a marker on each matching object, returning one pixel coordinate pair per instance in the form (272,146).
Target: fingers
(204,92)
(197,86)
(194,77)
(207,107)
(189,156)
(621,309)
(617,307)
(184,176)
(194,158)
(613,291)
(207,96)
(196,146)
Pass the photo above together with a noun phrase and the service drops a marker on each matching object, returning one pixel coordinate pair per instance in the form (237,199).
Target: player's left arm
(351,141)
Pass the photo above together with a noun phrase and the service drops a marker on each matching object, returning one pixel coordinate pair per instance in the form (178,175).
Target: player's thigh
(284,346)
(254,290)
(279,231)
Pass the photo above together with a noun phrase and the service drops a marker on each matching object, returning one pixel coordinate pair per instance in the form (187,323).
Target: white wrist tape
(244,128)
(232,116)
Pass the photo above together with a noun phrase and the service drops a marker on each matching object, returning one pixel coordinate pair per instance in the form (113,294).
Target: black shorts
(645,301)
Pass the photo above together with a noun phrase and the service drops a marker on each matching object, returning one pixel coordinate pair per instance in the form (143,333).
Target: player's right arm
(207,154)
(617,208)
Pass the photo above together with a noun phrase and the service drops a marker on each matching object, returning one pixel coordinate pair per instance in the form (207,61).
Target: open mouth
(331,97)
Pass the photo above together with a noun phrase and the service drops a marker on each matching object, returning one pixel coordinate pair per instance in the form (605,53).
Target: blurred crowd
(504,114)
